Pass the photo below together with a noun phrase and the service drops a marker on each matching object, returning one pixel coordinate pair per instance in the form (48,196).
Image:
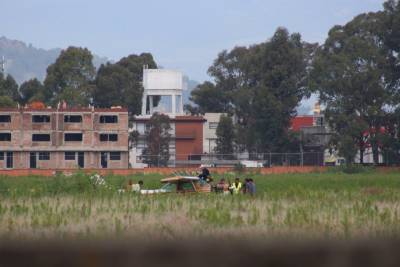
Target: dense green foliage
(225,137)
(285,185)
(70,77)
(261,85)
(120,84)
(355,73)
(158,137)
(8,91)
(208,98)
(323,205)
(32,90)
(7,102)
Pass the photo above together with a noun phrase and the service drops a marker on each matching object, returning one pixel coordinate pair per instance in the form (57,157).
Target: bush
(351,169)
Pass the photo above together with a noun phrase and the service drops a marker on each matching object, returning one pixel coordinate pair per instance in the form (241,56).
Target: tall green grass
(327,205)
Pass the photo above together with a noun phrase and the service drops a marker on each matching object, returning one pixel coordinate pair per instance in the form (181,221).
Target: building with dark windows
(163,91)
(64,138)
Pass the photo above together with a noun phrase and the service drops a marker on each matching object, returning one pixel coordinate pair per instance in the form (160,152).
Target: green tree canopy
(158,138)
(208,98)
(350,73)
(121,83)
(225,137)
(32,90)
(70,77)
(390,33)
(9,88)
(7,102)
(261,85)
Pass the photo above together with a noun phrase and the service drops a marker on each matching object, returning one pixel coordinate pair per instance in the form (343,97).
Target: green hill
(24,61)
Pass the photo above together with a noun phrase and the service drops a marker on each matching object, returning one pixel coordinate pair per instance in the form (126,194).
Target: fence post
(270,159)
(302,158)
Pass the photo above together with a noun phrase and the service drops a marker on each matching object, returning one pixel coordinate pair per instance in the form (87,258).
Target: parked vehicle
(334,161)
(251,164)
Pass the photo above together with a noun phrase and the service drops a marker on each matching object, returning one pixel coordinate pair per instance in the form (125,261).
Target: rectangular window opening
(108,137)
(115,155)
(40,118)
(108,119)
(69,156)
(5,137)
(40,137)
(213,125)
(5,118)
(72,118)
(73,137)
(44,155)
(113,137)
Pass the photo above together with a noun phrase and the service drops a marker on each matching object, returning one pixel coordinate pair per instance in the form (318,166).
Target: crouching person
(131,187)
(222,187)
(137,187)
(236,187)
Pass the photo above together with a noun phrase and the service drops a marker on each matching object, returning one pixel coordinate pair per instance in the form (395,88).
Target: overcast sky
(181,34)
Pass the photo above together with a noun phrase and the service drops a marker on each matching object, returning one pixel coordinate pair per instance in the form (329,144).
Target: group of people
(237,187)
(223,186)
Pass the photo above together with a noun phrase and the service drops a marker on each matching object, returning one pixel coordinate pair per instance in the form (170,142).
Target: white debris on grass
(98,181)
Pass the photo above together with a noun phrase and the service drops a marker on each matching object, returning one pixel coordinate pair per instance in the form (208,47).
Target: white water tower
(162,92)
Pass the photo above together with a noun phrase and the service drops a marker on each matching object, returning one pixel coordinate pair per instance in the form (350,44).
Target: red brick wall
(163,171)
(301,121)
(189,138)
(22,128)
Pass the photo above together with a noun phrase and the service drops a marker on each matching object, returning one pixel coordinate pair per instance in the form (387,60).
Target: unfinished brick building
(69,138)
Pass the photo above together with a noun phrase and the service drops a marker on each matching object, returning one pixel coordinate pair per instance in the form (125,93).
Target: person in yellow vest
(236,187)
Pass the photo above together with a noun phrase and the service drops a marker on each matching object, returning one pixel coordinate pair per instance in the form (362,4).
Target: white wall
(209,133)
(160,79)
(137,150)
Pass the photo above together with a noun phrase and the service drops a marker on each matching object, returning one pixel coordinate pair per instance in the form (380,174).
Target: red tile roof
(178,119)
(301,121)
(63,110)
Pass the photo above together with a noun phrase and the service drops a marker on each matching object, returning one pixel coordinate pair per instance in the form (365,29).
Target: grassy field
(317,205)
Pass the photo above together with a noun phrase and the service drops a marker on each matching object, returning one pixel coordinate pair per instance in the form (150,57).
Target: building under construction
(63,138)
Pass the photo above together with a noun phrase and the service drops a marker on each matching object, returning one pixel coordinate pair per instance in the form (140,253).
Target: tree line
(355,73)
(74,79)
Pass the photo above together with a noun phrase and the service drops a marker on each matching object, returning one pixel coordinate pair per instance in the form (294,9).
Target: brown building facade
(189,137)
(63,138)
(186,139)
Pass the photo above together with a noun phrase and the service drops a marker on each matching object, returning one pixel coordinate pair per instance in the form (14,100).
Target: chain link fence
(256,160)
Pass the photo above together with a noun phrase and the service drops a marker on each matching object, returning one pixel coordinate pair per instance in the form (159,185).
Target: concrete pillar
(173,104)
(144,104)
(150,104)
(181,105)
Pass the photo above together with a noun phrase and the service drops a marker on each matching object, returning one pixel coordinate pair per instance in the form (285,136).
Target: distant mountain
(25,62)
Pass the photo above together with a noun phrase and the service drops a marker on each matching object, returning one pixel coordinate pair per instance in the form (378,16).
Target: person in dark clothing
(245,188)
(205,174)
(251,187)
